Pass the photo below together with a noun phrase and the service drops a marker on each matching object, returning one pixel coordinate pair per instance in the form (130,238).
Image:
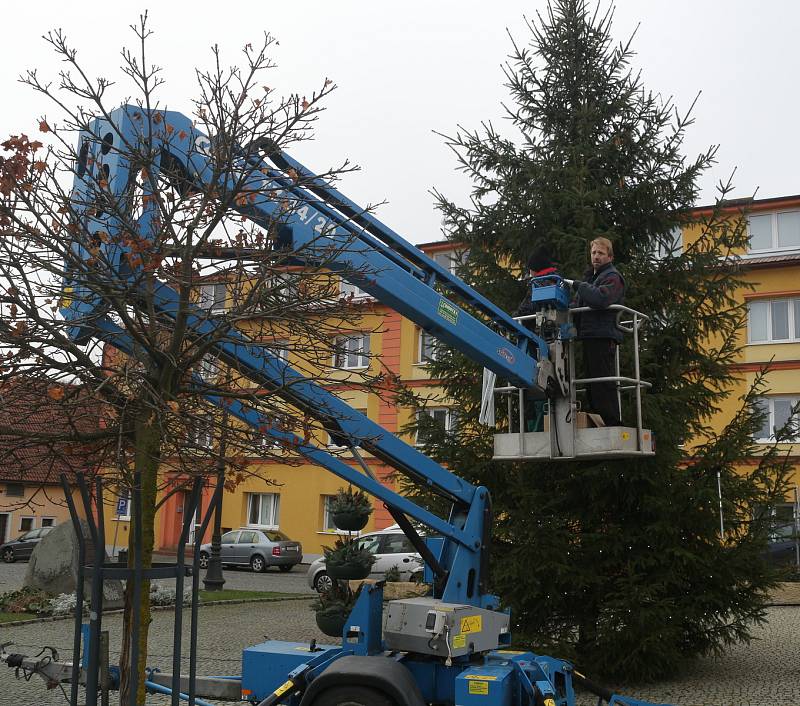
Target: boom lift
(450,648)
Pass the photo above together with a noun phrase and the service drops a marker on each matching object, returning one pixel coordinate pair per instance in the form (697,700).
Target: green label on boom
(447,311)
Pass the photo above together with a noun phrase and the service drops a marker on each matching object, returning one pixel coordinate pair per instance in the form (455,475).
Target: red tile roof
(40,432)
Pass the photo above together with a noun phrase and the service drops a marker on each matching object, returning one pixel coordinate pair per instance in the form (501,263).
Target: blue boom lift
(452,647)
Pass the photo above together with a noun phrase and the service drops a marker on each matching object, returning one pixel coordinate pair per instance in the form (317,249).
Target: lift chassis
(453,647)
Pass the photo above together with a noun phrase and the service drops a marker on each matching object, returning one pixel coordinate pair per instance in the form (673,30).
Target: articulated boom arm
(323,227)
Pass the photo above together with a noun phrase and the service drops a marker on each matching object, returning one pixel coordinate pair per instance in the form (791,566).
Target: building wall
(772,274)
(38,505)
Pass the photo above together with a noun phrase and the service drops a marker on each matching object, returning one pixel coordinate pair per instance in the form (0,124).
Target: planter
(350,521)
(331,622)
(349,571)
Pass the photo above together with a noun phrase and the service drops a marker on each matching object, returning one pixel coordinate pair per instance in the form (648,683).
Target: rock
(53,566)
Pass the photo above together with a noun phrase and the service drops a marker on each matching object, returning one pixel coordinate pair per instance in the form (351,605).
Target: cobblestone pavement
(766,673)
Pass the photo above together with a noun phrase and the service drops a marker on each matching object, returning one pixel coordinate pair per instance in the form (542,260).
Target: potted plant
(332,608)
(350,509)
(348,560)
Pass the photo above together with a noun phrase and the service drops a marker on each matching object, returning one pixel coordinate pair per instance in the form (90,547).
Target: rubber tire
(258,564)
(352,696)
(322,582)
(8,556)
(286,568)
(203,560)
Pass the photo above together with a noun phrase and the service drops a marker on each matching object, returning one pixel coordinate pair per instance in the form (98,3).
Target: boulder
(53,566)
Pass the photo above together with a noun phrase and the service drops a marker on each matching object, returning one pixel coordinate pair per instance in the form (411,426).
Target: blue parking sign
(122,506)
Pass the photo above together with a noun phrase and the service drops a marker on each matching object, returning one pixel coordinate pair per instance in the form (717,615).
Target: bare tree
(62,277)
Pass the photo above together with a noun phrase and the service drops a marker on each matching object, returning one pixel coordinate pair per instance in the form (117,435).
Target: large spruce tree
(620,563)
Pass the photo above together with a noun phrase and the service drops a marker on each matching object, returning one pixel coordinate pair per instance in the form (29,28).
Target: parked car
(22,547)
(258,549)
(390,547)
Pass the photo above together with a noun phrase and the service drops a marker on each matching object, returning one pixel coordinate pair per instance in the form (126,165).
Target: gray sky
(406,69)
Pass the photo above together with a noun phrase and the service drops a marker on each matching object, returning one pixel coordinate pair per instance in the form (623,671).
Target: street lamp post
(214,580)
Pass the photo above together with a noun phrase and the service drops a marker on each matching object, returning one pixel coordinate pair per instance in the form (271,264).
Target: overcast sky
(407,69)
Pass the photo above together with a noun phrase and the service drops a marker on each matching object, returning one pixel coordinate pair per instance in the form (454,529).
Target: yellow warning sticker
(480,677)
(283,688)
(479,687)
(460,641)
(472,623)
(625,435)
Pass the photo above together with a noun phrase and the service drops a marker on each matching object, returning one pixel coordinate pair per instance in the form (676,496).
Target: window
(773,320)
(281,288)
(209,368)
(352,352)
(450,260)
(15,490)
(783,516)
(427,347)
(247,538)
(48,522)
(396,544)
(442,416)
(279,348)
(26,524)
(229,537)
(351,291)
(332,443)
(774,231)
(200,434)
(327,515)
(778,412)
(262,509)
(213,297)
(670,245)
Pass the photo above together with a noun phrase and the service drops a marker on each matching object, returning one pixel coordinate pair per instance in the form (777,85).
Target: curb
(233,601)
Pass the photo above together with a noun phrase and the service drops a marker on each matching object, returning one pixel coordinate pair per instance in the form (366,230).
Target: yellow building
(771,337)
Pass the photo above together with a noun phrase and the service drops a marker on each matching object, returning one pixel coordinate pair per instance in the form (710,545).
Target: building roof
(41,427)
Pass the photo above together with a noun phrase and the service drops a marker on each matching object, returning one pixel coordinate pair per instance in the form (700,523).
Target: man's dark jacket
(599,291)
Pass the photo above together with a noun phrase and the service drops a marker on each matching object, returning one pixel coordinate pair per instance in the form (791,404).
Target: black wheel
(203,560)
(8,555)
(352,696)
(258,564)
(323,582)
(286,568)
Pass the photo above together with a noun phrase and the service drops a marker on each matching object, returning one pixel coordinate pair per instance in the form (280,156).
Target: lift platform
(555,428)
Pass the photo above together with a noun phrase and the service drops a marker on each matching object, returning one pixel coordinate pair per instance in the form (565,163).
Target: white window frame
(330,444)
(279,348)
(49,518)
(449,421)
(210,297)
(774,244)
(352,352)
(22,518)
(346,289)
(793,304)
(770,401)
(673,247)
(327,515)
(200,434)
(422,358)
(209,368)
(454,259)
(274,499)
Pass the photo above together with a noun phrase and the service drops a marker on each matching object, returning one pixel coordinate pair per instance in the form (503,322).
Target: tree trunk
(147,459)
